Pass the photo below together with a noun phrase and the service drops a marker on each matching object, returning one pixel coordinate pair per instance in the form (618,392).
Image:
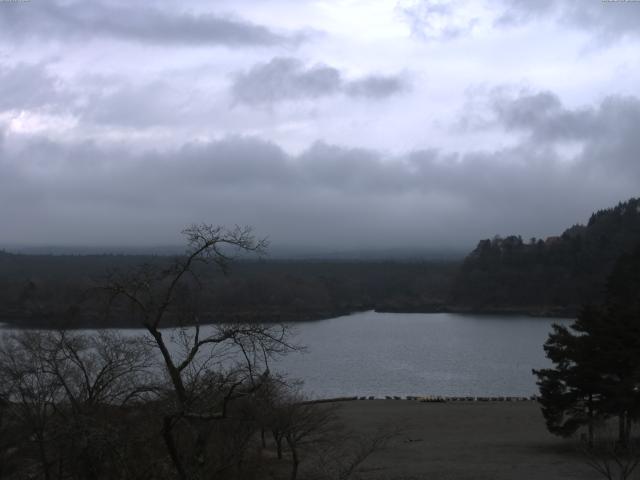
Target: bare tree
(317,444)
(8,433)
(612,459)
(206,371)
(32,395)
(62,392)
(342,458)
(306,425)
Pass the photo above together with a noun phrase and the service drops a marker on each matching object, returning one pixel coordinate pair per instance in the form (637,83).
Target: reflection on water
(417,354)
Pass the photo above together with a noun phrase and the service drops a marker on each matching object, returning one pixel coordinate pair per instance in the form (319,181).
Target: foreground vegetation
(169,404)
(99,406)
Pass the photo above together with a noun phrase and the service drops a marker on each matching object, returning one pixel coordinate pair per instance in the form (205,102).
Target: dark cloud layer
(328,195)
(289,79)
(543,115)
(133,21)
(108,71)
(607,132)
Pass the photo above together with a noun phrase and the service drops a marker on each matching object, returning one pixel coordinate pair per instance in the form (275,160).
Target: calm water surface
(420,354)
(381,354)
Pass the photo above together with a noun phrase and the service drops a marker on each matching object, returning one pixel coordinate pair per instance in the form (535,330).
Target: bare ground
(464,441)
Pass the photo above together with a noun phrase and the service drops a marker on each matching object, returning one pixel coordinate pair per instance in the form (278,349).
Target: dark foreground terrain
(470,441)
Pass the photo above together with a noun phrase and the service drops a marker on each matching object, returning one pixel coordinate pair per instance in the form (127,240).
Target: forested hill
(554,275)
(59,290)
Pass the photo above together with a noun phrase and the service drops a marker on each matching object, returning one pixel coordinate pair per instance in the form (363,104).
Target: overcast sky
(334,123)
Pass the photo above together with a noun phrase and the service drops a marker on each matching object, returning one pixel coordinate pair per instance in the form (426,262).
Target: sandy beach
(464,441)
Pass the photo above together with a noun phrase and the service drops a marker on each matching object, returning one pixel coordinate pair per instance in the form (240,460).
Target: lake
(448,354)
(400,354)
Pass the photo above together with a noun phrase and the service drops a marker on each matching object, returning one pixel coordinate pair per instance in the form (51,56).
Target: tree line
(555,275)
(50,291)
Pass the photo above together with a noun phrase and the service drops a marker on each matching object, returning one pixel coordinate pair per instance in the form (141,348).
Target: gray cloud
(72,70)
(289,79)
(607,20)
(610,20)
(543,116)
(132,21)
(116,101)
(520,11)
(600,139)
(124,104)
(327,195)
(95,100)
(285,79)
(25,86)
(375,86)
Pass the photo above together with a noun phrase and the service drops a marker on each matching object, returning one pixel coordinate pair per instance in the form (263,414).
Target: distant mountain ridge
(554,275)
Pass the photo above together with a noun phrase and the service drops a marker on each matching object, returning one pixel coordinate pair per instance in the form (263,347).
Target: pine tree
(570,393)
(596,373)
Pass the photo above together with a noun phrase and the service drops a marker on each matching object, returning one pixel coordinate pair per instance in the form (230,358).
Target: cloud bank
(417,122)
(330,195)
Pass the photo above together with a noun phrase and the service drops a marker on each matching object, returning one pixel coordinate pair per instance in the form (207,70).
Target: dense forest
(553,276)
(37,290)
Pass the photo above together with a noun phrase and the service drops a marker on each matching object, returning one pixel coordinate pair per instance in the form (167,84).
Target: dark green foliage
(570,393)
(555,275)
(43,290)
(596,361)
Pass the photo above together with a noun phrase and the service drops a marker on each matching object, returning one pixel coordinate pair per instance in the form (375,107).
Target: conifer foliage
(596,372)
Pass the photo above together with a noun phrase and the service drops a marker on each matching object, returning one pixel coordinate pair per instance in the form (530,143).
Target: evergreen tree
(560,273)
(570,392)
(596,371)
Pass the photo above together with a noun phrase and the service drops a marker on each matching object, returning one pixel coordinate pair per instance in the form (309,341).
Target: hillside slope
(551,276)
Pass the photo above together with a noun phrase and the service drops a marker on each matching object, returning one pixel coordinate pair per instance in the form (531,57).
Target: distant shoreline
(57,321)
(531,311)
(428,399)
